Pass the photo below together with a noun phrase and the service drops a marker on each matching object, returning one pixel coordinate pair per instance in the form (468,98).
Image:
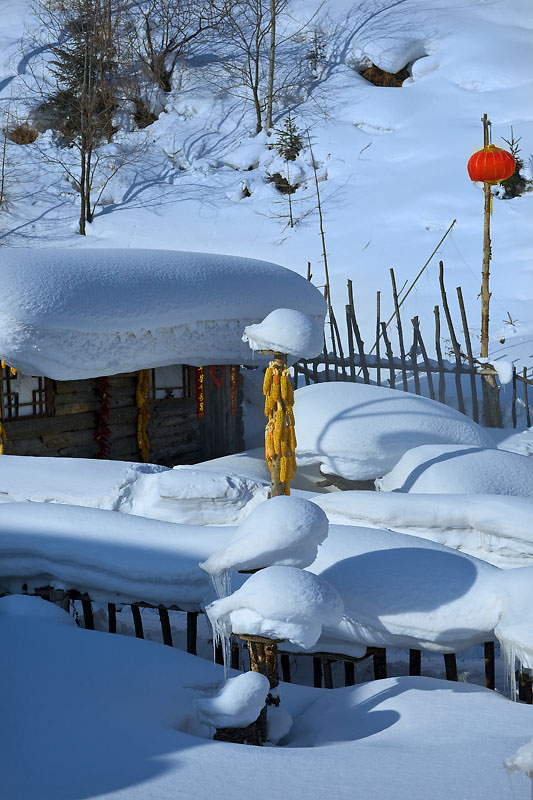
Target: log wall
(176,434)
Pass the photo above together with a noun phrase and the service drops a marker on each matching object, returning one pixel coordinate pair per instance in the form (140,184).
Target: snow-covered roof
(81,313)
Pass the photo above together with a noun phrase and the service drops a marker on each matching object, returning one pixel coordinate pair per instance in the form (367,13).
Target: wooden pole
(485,274)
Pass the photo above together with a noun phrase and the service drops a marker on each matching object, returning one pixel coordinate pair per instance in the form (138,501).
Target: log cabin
(135,355)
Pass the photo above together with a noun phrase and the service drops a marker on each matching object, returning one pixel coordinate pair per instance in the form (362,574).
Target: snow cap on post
(282,531)
(286,331)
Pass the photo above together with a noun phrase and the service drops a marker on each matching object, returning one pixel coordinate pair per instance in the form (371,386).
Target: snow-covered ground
(114,717)
(392,161)
(428,562)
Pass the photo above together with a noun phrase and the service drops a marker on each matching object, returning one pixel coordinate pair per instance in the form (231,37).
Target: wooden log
(513,400)
(23,447)
(525,686)
(85,385)
(192,632)
(317,672)
(455,343)
(328,673)
(388,348)
(351,351)
(450,665)
(88,618)
(399,326)
(490,667)
(72,438)
(469,353)
(442,382)
(112,617)
(349,673)
(357,334)
(425,358)
(166,631)
(339,342)
(285,663)
(88,451)
(137,621)
(526,401)
(378,336)
(414,360)
(415,662)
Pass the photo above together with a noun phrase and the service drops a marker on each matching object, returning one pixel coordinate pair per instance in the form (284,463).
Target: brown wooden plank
(378,336)
(137,621)
(357,334)
(88,618)
(351,351)
(192,631)
(470,355)
(328,673)
(526,401)
(490,666)
(166,630)
(399,327)
(388,348)
(513,400)
(442,381)
(112,617)
(455,343)
(450,664)
(414,360)
(425,358)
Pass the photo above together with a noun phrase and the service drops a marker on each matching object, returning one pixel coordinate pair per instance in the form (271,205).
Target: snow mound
(20,605)
(360,431)
(286,331)
(81,313)
(114,557)
(460,469)
(194,496)
(237,704)
(278,603)
(183,494)
(495,528)
(282,531)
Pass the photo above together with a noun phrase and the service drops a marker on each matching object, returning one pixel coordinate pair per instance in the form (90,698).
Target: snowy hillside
(391,160)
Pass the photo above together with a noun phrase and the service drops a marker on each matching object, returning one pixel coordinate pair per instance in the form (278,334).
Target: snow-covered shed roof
(80,313)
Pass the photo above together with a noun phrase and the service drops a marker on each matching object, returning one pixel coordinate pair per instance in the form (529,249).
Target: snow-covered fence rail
(413,370)
(322,663)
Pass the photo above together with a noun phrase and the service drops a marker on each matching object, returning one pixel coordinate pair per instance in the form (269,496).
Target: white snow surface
(78,313)
(278,603)
(385,737)
(282,531)
(237,704)
(460,469)
(494,528)
(403,591)
(114,557)
(183,494)
(360,431)
(286,331)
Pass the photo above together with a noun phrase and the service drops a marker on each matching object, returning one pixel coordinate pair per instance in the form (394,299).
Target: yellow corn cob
(283,448)
(283,383)
(275,389)
(283,469)
(292,438)
(267,382)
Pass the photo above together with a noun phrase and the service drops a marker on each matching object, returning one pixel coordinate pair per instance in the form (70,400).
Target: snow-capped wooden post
(489,166)
(280,439)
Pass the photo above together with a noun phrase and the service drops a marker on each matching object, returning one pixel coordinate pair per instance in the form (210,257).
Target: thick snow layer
(282,531)
(394,739)
(183,494)
(75,313)
(238,703)
(278,603)
(403,591)
(286,331)
(460,469)
(360,431)
(113,557)
(495,528)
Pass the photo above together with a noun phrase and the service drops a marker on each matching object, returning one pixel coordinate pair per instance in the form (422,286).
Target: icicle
(222,583)
(222,635)
(509,656)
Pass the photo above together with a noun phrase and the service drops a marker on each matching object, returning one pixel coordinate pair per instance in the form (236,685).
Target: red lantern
(491,165)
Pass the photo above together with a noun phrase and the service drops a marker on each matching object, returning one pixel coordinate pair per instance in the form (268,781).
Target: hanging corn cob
(143,389)
(280,438)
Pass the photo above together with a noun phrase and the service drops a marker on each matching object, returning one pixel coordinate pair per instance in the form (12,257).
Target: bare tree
(161,32)
(79,89)
(267,62)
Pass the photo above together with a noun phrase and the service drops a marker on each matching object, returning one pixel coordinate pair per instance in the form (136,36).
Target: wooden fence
(322,662)
(411,369)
